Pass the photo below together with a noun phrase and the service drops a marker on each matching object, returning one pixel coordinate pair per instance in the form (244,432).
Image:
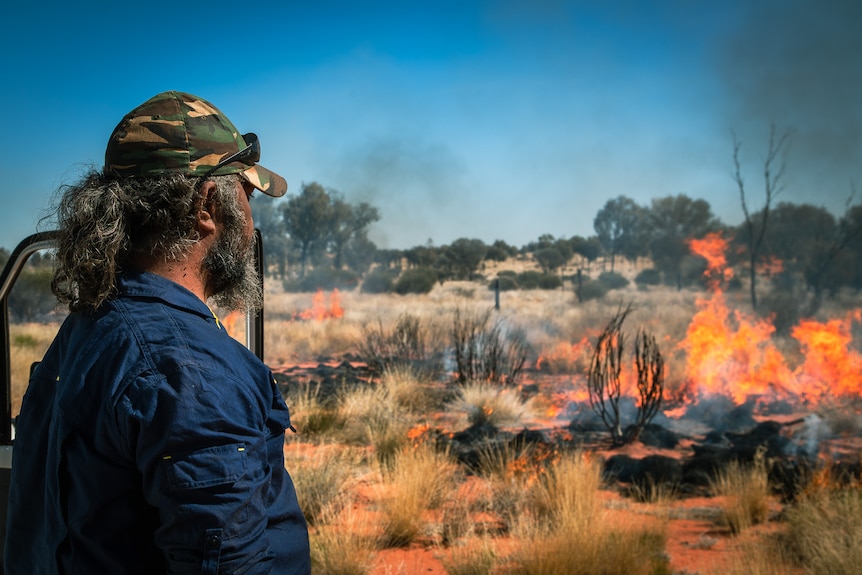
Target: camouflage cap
(175,132)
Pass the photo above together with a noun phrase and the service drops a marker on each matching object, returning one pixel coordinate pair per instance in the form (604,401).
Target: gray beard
(231,273)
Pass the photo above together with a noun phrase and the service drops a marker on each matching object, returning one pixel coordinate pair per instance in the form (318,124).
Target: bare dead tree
(605,384)
(774,167)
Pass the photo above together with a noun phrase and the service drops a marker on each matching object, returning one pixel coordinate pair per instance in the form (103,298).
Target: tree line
(320,234)
(316,239)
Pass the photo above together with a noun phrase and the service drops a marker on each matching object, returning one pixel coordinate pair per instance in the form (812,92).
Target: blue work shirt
(150,441)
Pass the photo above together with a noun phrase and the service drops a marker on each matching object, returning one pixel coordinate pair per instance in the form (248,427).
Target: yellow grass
(825,531)
(745,489)
(418,481)
(28,344)
(566,508)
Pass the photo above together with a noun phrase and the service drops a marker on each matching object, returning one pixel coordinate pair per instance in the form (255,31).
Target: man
(149,441)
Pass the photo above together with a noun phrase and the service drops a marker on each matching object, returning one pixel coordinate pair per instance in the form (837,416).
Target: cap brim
(266,181)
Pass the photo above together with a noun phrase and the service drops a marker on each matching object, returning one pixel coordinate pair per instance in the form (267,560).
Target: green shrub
(32,297)
(591,289)
(648,277)
(323,279)
(507,282)
(417,280)
(613,280)
(537,280)
(381,280)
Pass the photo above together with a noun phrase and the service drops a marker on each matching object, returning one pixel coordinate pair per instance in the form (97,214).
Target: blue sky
(490,120)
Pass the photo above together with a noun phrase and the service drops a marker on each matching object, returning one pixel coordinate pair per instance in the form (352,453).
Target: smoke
(416,184)
(795,64)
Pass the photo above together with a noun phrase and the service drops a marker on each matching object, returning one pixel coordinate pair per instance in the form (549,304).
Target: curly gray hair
(106,222)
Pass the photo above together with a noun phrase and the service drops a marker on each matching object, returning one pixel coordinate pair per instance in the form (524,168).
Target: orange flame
(319,311)
(712,248)
(565,357)
(831,366)
(732,354)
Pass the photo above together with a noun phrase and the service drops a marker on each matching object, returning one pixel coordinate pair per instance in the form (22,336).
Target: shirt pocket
(208,467)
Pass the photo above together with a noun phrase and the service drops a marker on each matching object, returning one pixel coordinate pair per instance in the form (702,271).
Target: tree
(549,259)
(268,220)
(773,173)
(359,253)
(346,223)
(422,256)
(306,220)
(500,251)
(671,221)
(808,241)
(463,257)
(588,248)
(618,228)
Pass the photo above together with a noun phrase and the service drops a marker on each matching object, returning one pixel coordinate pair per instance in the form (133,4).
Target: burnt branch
(604,382)
(650,371)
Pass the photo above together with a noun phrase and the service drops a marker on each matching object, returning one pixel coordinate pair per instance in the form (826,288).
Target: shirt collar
(150,285)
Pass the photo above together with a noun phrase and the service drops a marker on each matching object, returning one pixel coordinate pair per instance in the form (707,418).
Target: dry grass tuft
(825,531)
(473,558)
(746,492)
(410,389)
(321,481)
(566,508)
(418,481)
(487,403)
(310,415)
(342,547)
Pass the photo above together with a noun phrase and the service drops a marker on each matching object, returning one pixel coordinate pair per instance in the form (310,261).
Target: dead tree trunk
(773,171)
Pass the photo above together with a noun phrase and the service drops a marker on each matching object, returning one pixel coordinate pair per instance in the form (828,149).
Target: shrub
(648,277)
(591,289)
(532,279)
(507,282)
(410,343)
(380,280)
(310,414)
(32,296)
(323,279)
(613,280)
(417,280)
(336,550)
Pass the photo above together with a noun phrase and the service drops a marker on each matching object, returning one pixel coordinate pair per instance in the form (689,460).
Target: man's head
(173,166)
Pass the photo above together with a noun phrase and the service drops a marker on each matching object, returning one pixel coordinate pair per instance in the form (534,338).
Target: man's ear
(206,212)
